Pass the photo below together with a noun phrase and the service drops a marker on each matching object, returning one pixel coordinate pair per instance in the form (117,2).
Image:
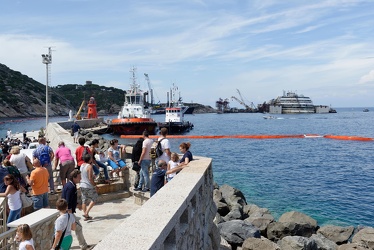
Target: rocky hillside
(22,96)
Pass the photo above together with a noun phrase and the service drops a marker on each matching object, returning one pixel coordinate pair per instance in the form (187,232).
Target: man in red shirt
(79,152)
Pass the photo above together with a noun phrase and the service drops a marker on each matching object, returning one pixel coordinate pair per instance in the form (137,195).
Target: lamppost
(47,59)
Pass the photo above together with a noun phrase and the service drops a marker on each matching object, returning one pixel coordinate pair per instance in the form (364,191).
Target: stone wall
(178,216)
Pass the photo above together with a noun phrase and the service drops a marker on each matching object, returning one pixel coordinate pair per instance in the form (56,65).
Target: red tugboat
(134,117)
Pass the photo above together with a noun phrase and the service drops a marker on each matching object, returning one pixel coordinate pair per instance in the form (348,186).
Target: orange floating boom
(336,137)
(347,137)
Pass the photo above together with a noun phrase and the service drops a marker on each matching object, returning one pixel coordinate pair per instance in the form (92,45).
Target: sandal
(86,217)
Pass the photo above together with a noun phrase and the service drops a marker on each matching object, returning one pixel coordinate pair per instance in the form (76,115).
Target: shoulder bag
(26,201)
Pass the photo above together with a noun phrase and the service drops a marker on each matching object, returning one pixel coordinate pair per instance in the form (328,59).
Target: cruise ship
(292,103)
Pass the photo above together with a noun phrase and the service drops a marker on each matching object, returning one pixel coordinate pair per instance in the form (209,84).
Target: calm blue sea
(330,180)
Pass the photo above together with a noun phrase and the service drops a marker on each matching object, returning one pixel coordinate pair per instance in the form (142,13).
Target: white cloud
(368,78)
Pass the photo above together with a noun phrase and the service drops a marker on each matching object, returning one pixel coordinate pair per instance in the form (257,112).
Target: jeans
(40,201)
(95,169)
(144,173)
(105,167)
(50,180)
(14,215)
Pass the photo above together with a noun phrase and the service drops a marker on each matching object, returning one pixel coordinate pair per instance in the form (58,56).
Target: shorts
(40,201)
(89,194)
(76,134)
(114,166)
(66,168)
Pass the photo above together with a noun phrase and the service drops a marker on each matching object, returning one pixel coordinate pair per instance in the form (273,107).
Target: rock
(217,196)
(337,234)
(278,230)
(222,208)
(365,238)
(351,246)
(298,218)
(323,243)
(224,245)
(260,220)
(262,243)
(236,231)
(236,213)
(297,243)
(218,219)
(232,195)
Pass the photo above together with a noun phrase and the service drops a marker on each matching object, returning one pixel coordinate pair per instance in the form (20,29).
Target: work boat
(174,121)
(174,116)
(134,117)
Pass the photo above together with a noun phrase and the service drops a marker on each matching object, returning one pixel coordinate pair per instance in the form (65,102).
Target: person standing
(45,155)
(38,181)
(18,159)
(13,192)
(67,164)
(9,134)
(145,162)
(63,226)
(75,128)
(88,187)
(24,235)
(165,146)
(80,150)
(69,193)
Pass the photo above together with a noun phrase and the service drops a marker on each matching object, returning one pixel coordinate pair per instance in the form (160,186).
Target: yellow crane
(78,114)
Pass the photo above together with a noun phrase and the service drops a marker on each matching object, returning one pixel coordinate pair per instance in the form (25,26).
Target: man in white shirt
(165,145)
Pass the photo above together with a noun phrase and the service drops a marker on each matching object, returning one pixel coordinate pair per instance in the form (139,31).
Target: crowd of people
(81,170)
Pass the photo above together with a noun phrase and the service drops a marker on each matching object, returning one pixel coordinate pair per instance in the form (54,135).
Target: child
(64,223)
(174,160)
(25,236)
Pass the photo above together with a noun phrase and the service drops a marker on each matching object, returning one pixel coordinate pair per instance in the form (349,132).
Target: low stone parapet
(179,216)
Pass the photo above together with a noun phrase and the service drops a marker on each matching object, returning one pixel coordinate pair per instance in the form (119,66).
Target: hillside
(22,96)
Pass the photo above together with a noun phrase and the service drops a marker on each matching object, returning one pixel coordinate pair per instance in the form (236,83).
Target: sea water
(329,180)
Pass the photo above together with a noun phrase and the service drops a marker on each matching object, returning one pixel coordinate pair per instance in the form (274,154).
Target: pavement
(106,216)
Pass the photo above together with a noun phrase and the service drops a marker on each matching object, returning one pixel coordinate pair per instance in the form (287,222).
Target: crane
(78,115)
(242,102)
(150,88)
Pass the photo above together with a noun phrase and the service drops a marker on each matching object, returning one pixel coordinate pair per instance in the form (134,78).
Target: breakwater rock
(247,226)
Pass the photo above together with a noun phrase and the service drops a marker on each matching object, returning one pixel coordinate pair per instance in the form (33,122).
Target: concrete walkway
(106,216)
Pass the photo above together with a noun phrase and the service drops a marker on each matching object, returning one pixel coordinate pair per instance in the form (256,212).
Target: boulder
(250,208)
(365,238)
(217,195)
(323,243)
(218,219)
(351,246)
(297,243)
(236,213)
(236,231)
(277,230)
(232,195)
(222,208)
(298,218)
(224,245)
(262,243)
(260,220)
(337,234)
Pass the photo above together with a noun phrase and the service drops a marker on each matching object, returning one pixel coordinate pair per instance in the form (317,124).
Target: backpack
(137,150)
(159,150)
(85,152)
(44,156)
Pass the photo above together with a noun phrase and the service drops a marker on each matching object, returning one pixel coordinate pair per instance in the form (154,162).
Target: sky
(209,49)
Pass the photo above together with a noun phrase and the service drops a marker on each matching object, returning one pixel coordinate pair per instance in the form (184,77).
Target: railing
(7,241)
(3,217)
